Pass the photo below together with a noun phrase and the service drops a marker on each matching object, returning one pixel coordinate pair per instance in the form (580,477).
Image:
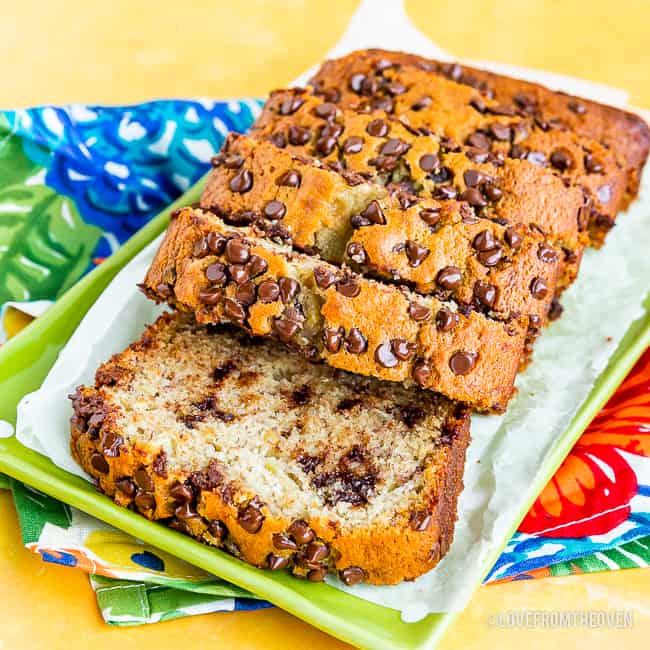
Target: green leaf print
(15,166)
(44,244)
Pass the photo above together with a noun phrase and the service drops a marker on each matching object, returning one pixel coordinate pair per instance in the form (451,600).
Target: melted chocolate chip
(384,356)
(353,144)
(356,342)
(241,182)
(245,293)
(462,362)
(332,338)
(250,519)
(449,278)
(326,111)
(111,443)
(233,161)
(218,530)
(430,216)
(277,562)
(237,251)
(290,178)
(416,254)
(485,293)
(446,319)
(145,501)
(268,291)
(348,287)
(419,312)
(560,159)
(546,254)
(299,135)
(539,288)
(316,551)
(256,266)
(402,349)
(216,273)
(286,328)
(233,310)
(126,486)
(324,277)
(422,372)
(290,105)
(181,493)
(377,128)
(283,542)
(216,242)
(201,248)
(99,463)
(490,257)
(301,532)
(394,147)
(275,209)
(513,238)
(500,131)
(357,253)
(317,575)
(474,197)
(289,289)
(238,273)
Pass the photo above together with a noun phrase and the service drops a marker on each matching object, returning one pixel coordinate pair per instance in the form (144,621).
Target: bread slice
(599,148)
(238,275)
(284,463)
(390,233)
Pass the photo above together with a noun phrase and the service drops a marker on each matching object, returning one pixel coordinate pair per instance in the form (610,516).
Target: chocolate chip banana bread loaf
(283,463)
(444,247)
(238,275)
(601,148)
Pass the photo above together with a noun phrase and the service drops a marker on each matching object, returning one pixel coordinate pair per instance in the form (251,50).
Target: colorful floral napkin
(75,183)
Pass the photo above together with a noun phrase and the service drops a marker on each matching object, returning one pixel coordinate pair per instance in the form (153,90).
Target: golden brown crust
(349,321)
(463,100)
(393,234)
(210,507)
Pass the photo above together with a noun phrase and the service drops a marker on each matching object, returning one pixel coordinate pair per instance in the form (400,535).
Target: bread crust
(210,508)
(348,321)
(615,139)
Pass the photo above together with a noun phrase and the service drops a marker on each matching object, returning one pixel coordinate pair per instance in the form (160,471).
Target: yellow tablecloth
(125,51)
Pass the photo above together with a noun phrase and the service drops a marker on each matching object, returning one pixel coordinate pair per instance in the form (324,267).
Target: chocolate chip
(546,254)
(473,197)
(324,277)
(332,338)
(492,192)
(181,493)
(385,104)
(348,287)
(473,177)
(490,257)
(237,251)
(216,273)
(99,463)
(485,293)
(513,238)
(353,144)
(422,372)
(289,289)
(421,521)
(238,273)
(560,159)
(111,443)
(419,312)
(290,105)
(201,248)
(356,82)
(502,109)
(377,128)
(383,64)
(241,182)
(429,162)
(424,102)
(373,213)
(446,319)
(245,293)
(394,147)
(357,253)
(233,161)
(317,575)
(233,311)
(462,362)
(538,288)
(299,135)
(277,562)
(268,291)
(536,157)
(283,542)
(592,165)
(326,111)
(185,511)
(500,131)
(402,349)
(126,486)
(301,532)
(145,501)
(484,241)
(479,140)
(275,209)
(356,342)
(256,266)
(449,278)
(286,328)
(250,519)
(577,107)
(416,254)
(216,242)
(384,356)
(445,193)
(316,551)
(430,216)
(352,575)
(164,290)
(325,145)
(290,178)
(278,139)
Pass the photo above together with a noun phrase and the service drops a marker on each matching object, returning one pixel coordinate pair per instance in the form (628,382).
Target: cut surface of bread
(238,275)
(284,463)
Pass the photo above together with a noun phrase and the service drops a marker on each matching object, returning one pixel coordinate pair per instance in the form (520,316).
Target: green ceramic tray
(25,361)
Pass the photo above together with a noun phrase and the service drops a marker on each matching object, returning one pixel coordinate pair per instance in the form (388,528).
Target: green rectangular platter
(26,359)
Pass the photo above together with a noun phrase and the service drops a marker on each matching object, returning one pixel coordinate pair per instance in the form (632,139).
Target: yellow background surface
(129,50)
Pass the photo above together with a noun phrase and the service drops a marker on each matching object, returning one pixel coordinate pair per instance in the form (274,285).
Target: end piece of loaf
(283,463)
(238,275)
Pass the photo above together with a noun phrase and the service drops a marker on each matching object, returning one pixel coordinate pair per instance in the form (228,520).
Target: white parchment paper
(506,452)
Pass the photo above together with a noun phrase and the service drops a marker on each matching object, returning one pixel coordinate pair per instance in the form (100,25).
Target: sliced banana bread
(283,463)
(440,247)
(238,275)
(601,148)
